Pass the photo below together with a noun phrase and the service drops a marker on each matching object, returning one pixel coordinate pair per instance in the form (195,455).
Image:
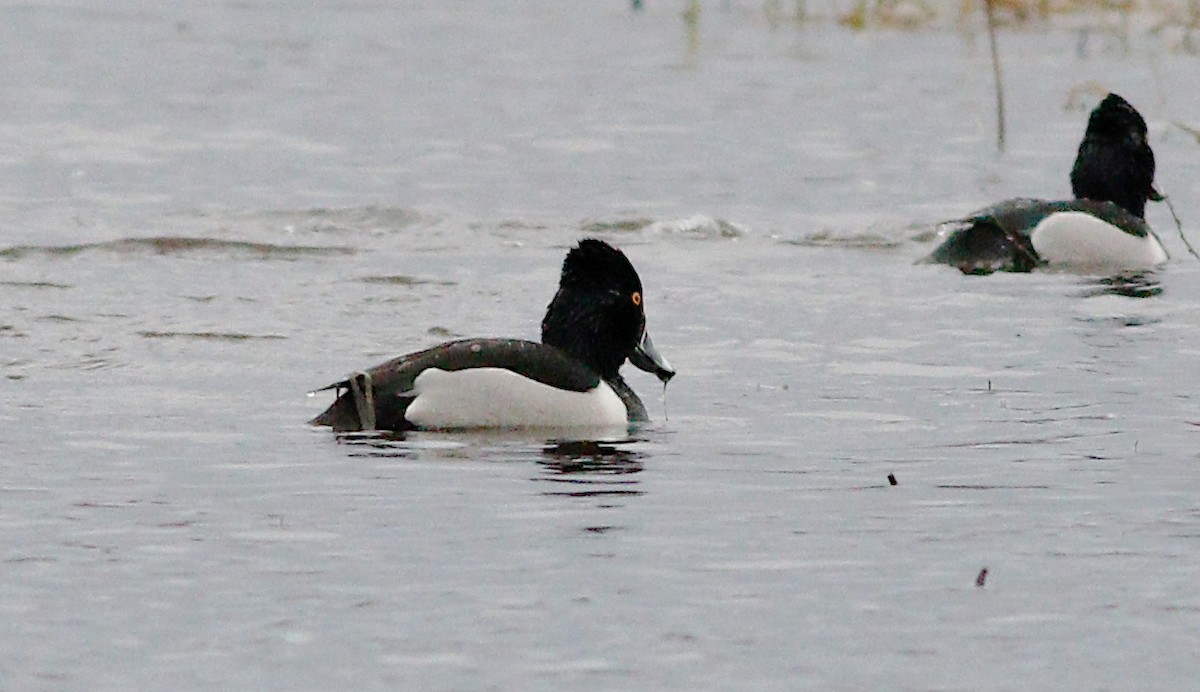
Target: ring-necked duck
(1102,228)
(595,322)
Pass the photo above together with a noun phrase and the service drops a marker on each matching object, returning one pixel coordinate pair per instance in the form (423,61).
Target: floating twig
(1195,132)
(999,83)
(1179,227)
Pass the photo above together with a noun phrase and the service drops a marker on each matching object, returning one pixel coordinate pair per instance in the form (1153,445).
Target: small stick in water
(991,27)
(1179,226)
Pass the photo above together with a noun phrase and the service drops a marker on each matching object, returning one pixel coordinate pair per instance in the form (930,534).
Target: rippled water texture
(209,212)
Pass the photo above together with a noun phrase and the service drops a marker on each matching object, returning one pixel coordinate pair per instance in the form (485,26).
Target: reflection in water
(1130,285)
(691,23)
(578,462)
(591,468)
(376,444)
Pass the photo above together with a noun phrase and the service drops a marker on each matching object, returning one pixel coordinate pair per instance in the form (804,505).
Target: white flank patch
(1081,240)
(499,398)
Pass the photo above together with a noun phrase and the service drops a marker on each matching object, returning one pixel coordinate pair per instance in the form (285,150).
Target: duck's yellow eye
(637,298)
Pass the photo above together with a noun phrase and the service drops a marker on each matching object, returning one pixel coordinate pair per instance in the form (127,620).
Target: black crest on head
(1115,163)
(595,315)
(596,265)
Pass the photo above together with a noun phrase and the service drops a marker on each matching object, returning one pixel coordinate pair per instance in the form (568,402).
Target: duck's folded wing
(1110,212)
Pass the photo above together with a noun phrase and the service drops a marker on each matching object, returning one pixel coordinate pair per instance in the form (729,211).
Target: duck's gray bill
(645,357)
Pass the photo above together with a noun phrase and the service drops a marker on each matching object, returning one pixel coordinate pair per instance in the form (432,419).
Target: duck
(594,323)
(1102,228)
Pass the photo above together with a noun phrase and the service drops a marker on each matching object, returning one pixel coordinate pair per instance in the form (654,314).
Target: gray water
(209,212)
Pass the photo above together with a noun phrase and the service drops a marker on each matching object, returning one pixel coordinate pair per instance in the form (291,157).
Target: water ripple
(34,284)
(164,245)
(403,280)
(856,241)
(209,336)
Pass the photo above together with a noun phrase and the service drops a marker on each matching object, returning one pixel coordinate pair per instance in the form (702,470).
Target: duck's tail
(354,408)
(981,245)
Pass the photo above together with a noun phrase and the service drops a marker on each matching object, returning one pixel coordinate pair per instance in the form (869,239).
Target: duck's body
(1019,235)
(481,383)
(571,379)
(1102,228)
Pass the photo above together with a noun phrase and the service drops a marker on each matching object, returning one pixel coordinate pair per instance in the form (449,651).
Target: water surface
(210,212)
